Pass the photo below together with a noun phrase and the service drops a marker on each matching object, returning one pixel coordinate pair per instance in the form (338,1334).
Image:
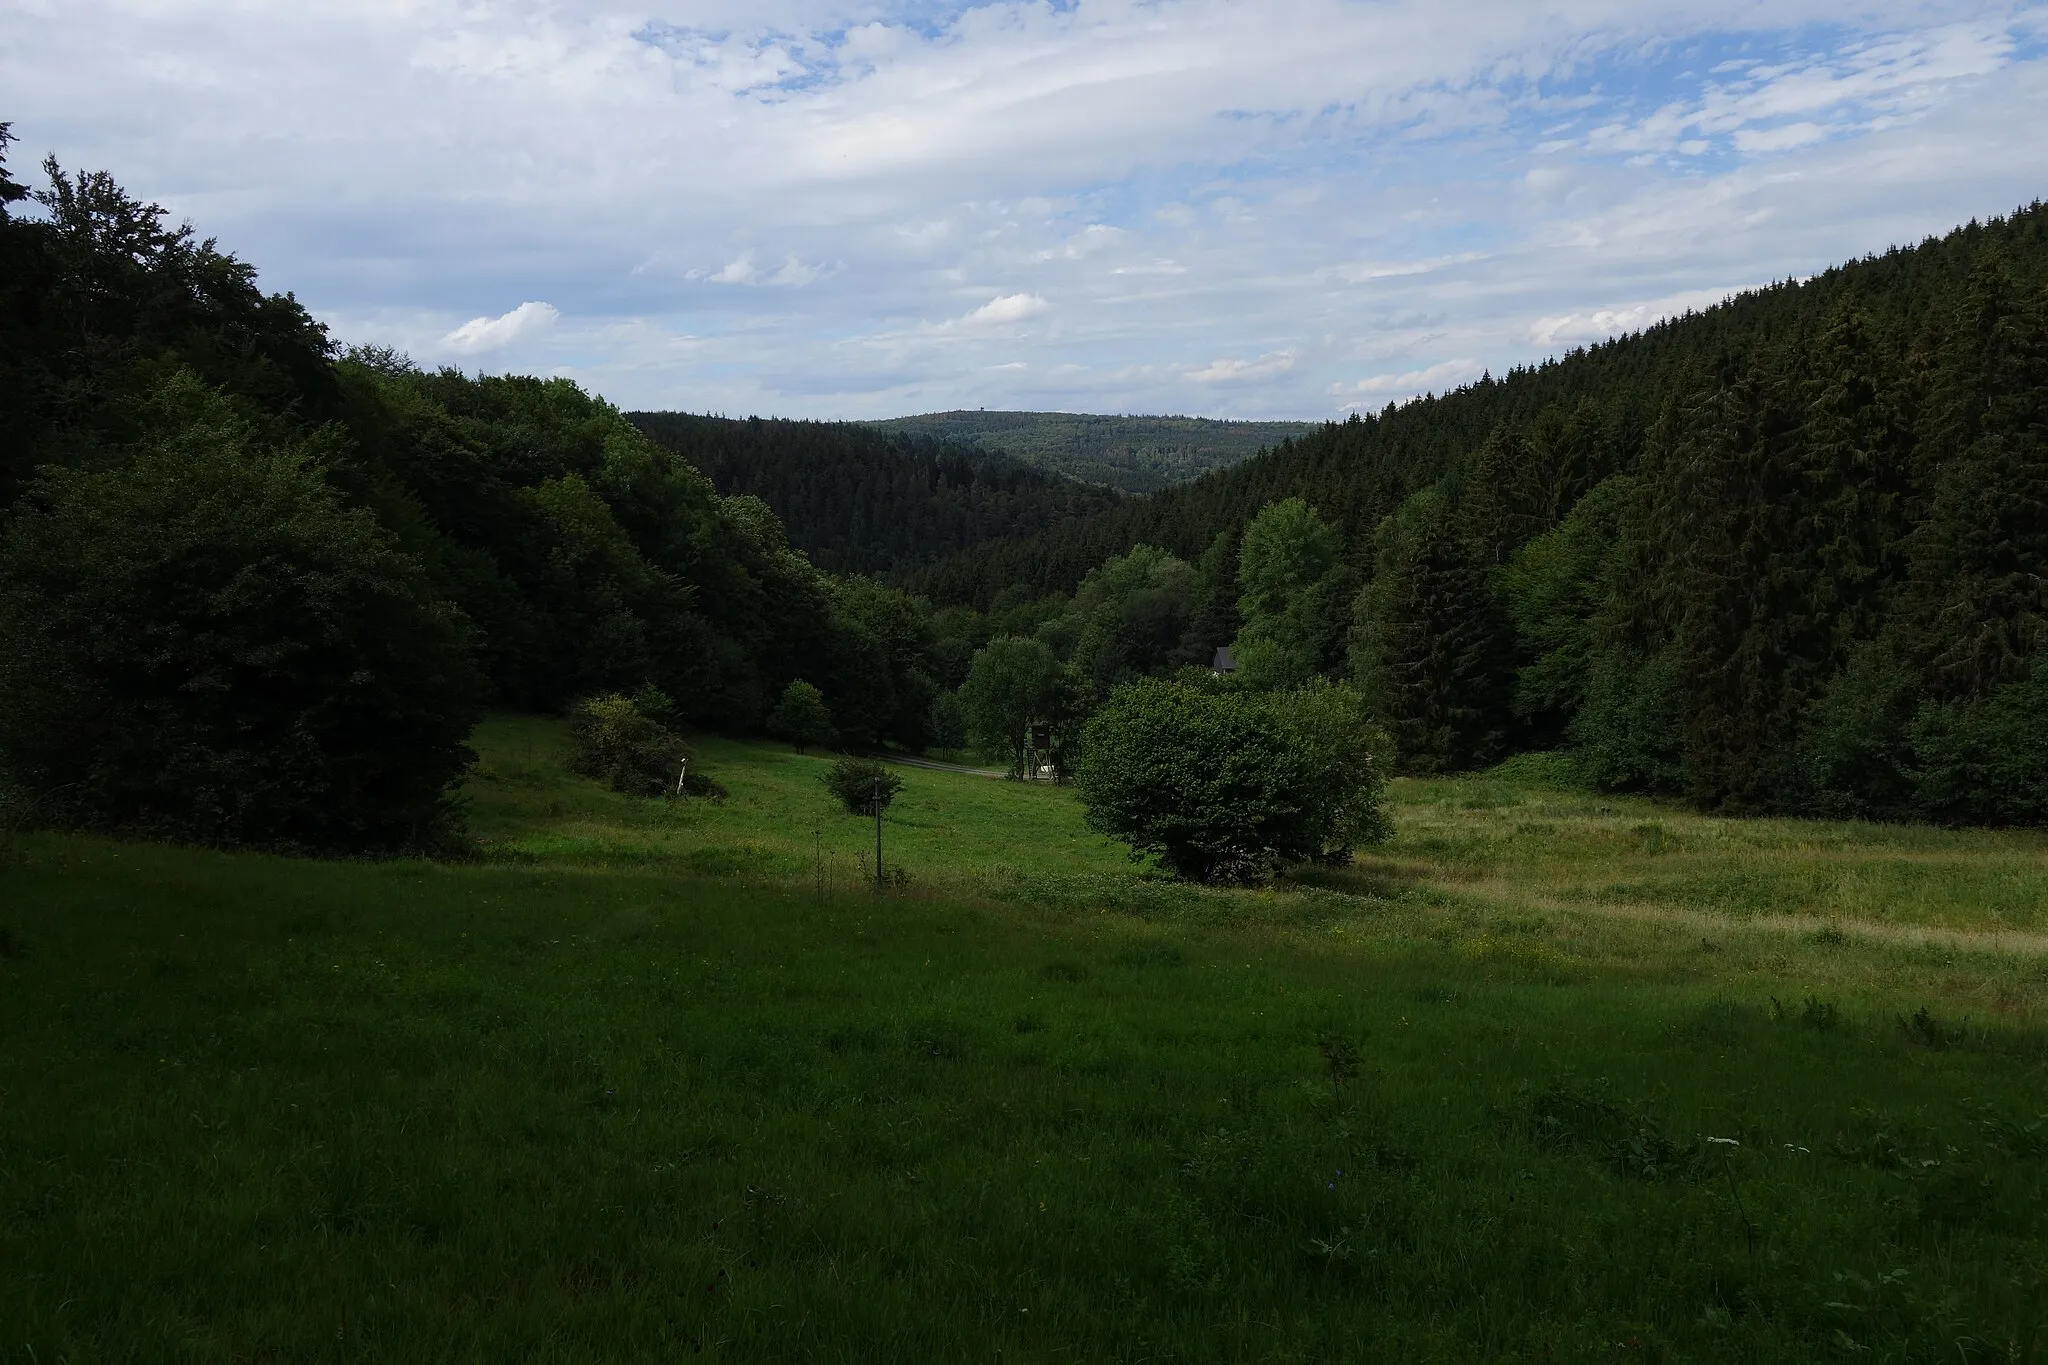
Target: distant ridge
(1131,454)
(1596,403)
(857,499)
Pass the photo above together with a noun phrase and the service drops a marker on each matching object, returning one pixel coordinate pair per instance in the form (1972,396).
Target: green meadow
(1551,1076)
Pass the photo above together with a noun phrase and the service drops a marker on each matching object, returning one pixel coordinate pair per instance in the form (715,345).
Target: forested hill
(1134,454)
(860,500)
(1574,419)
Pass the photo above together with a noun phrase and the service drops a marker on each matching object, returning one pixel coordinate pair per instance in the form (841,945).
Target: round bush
(629,751)
(1223,785)
(858,782)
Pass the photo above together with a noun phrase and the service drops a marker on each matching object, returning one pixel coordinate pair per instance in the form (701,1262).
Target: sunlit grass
(658,1080)
(946,830)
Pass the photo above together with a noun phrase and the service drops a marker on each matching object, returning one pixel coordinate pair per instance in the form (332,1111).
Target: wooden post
(878,836)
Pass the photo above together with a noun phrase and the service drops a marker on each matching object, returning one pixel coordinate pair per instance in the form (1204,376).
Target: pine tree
(1746,622)
(1216,619)
(1975,608)
(1431,646)
(1505,502)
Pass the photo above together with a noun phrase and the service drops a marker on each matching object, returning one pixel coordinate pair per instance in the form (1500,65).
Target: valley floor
(1553,1076)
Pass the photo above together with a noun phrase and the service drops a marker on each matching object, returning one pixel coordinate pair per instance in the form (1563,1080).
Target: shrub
(1222,785)
(800,717)
(208,645)
(857,782)
(1630,732)
(616,742)
(1856,756)
(1985,761)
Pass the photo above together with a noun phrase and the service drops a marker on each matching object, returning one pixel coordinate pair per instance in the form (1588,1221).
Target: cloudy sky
(831,208)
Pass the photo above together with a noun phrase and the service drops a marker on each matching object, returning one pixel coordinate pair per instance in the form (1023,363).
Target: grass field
(1554,1076)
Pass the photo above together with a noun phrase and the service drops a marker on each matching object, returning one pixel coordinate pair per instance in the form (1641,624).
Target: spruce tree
(1505,502)
(1216,619)
(1746,617)
(1431,646)
(1975,608)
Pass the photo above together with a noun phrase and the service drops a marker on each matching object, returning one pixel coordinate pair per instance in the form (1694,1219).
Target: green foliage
(1295,596)
(1856,747)
(956,632)
(619,744)
(1014,683)
(1224,785)
(947,724)
(1134,454)
(1630,731)
(1430,643)
(1554,586)
(882,660)
(589,558)
(1809,475)
(1216,620)
(11,190)
(801,717)
(861,785)
(1129,618)
(1974,611)
(1504,505)
(205,643)
(100,300)
(1985,760)
(861,500)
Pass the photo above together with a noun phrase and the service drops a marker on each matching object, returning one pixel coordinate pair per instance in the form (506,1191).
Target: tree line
(1786,554)
(1133,454)
(255,590)
(857,498)
(1789,554)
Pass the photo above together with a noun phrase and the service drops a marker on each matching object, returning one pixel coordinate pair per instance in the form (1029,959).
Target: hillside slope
(858,500)
(1133,454)
(1601,400)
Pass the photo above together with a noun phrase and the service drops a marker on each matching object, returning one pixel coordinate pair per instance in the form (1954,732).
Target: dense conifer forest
(1134,454)
(1787,553)
(858,499)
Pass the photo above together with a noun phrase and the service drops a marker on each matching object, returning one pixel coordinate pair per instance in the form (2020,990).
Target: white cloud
(795,274)
(791,274)
(739,270)
(1775,107)
(761,204)
(1091,239)
(1780,139)
(1233,371)
(1598,324)
(481,335)
(1437,378)
(1004,309)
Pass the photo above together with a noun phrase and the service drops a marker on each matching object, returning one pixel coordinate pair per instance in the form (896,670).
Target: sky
(838,209)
